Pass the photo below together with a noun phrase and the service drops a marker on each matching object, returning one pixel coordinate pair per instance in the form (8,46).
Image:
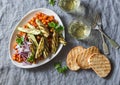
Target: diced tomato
(18,58)
(21,33)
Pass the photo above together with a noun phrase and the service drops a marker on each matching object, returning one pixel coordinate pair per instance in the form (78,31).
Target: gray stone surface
(11,11)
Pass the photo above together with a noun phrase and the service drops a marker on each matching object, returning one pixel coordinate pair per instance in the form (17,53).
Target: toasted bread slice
(71,58)
(100,64)
(82,58)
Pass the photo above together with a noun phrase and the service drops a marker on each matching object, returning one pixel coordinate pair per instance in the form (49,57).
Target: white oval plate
(24,20)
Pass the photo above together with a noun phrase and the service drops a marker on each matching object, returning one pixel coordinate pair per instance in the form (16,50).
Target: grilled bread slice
(71,58)
(100,64)
(82,58)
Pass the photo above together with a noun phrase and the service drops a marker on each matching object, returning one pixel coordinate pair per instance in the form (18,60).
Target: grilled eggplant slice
(30,31)
(54,42)
(43,29)
(45,53)
(32,46)
(40,48)
(30,26)
(46,49)
(32,37)
(62,40)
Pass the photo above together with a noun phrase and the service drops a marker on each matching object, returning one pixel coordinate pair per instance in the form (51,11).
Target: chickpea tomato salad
(39,38)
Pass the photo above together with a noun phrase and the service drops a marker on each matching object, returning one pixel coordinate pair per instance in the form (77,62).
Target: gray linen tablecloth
(11,11)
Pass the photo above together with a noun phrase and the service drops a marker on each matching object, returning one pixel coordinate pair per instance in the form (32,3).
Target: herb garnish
(31,58)
(19,40)
(60,68)
(52,2)
(56,26)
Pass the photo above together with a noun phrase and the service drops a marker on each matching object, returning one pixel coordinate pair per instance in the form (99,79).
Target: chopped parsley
(52,2)
(56,26)
(19,40)
(60,68)
(31,58)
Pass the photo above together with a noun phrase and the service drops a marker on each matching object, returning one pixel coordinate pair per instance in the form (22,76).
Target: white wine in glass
(79,29)
(72,6)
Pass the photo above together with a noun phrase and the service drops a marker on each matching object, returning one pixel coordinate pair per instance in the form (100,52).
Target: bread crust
(72,56)
(100,64)
(82,58)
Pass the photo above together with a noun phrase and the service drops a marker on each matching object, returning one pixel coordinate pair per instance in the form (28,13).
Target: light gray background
(11,11)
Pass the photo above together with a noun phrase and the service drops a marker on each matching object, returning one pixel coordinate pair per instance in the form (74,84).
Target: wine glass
(80,28)
(72,6)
